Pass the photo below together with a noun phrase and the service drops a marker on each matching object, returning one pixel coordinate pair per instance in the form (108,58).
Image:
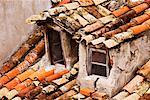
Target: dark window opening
(99,70)
(98,62)
(55,48)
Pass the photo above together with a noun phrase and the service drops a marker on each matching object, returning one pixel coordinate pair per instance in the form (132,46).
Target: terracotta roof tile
(10,85)
(133,84)
(47,83)
(25,75)
(7,66)
(140,7)
(3,92)
(86,91)
(23,85)
(121,11)
(145,70)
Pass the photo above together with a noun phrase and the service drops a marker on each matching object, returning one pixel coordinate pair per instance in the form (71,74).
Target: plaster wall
(13,29)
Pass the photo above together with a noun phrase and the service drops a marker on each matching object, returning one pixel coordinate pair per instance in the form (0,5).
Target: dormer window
(98,62)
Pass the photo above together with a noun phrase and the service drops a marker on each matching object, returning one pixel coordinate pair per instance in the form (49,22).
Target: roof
(43,82)
(89,20)
(22,78)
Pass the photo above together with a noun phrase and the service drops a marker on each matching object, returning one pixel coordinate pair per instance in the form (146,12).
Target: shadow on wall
(13,29)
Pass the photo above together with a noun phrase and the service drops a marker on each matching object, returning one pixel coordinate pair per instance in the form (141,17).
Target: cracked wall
(126,59)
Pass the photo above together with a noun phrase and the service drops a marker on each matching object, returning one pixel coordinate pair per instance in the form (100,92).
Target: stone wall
(126,59)
(13,29)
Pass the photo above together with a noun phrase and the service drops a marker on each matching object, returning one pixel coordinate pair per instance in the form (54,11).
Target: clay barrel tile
(23,66)
(143,88)
(3,80)
(66,95)
(133,4)
(42,73)
(64,2)
(141,19)
(128,16)
(86,91)
(97,2)
(103,11)
(101,31)
(94,11)
(78,96)
(145,70)
(126,26)
(121,11)
(92,27)
(25,75)
(23,85)
(39,47)
(16,98)
(134,83)
(11,94)
(123,36)
(31,57)
(140,7)
(34,75)
(68,86)
(148,13)
(114,24)
(35,38)
(49,89)
(147,23)
(133,96)
(63,72)
(55,76)
(85,2)
(138,29)
(41,96)
(111,33)
(13,73)
(3,92)
(71,6)
(7,66)
(54,95)
(80,19)
(10,85)
(145,97)
(60,81)
(23,49)
(107,19)
(90,18)
(56,10)
(52,77)
(121,95)
(110,43)
(23,92)
(99,95)
(45,74)
(32,93)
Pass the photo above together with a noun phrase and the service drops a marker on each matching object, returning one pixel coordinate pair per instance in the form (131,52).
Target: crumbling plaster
(126,58)
(13,29)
